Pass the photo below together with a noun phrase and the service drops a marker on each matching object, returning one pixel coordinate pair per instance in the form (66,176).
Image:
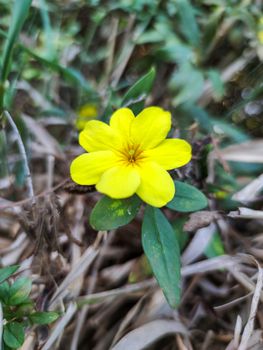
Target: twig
(111,49)
(22,151)
(41,194)
(50,170)
(126,52)
(130,42)
(133,288)
(84,262)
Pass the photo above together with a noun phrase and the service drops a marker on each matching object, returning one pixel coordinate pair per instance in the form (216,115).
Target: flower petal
(150,127)
(157,187)
(98,136)
(121,121)
(87,168)
(119,182)
(170,154)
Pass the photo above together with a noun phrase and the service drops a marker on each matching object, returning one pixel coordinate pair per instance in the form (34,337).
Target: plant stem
(22,151)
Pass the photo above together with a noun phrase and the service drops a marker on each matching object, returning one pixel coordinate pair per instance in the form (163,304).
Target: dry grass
(100,280)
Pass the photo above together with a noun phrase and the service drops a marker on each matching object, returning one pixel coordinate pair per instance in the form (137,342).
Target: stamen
(132,156)
(131,152)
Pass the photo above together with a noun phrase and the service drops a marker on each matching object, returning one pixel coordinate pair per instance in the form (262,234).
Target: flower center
(131,155)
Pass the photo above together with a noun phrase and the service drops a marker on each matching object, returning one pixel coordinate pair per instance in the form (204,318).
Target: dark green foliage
(111,213)
(18,309)
(136,95)
(162,250)
(14,335)
(187,198)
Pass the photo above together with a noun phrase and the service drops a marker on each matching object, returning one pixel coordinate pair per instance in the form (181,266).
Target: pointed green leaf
(4,292)
(43,317)
(70,74)
(217,83)
(20,11)
(19,291)
(187,198)
(6,272)
(111,213)
(162,250)
(136,95)
(188,22)
(14,335)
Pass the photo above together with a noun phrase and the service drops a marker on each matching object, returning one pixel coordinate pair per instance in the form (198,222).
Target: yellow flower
(131,155)
(85,114)
(260,30)
(260,36)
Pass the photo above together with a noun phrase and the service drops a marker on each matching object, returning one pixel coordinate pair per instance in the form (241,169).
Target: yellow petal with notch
(156,187)
(150,127)
(119,182)
(121,121)
(87,168)
(170,154)
(98,136)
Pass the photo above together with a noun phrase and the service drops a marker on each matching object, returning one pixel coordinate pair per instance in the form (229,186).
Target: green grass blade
(20,11)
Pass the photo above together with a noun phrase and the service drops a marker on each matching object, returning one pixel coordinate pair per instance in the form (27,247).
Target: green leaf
(211,28)
(3,152)
(208,122)
(68,73)
(25,308)
(6,272)
(136,95)
(217,83)
(162,250)
(150,36)
(188,82)
(43,317)
(187,198)
(188,22)
(14,335)
(215,247)
(111,213)
(5,347)
(20,11)
(19,291)
(4,292)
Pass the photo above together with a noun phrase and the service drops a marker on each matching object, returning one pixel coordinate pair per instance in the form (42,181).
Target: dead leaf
(246,213)
(248,152)
(142,337)
(45,143)
(200,219)
(250,191)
